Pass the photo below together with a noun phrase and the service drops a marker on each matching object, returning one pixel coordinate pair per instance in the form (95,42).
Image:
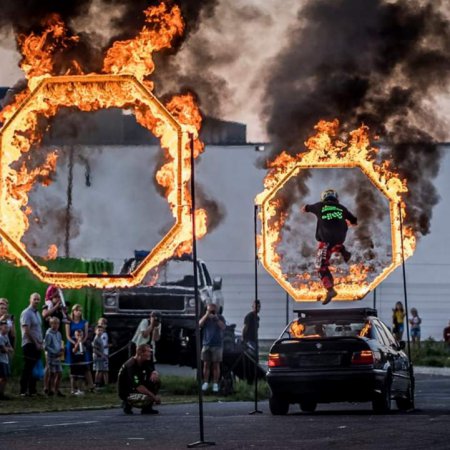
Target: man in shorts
(212,325)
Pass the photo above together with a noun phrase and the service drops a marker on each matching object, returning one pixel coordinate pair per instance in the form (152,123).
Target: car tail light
(276,360)
(363,357)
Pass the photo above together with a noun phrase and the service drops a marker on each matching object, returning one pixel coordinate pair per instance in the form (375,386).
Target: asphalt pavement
(230,426)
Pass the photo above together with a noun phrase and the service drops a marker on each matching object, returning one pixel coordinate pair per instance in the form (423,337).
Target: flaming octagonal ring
(387,183)
(70,91)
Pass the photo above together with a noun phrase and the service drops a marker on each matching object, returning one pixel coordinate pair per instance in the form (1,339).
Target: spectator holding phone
(212,325)
(147,332)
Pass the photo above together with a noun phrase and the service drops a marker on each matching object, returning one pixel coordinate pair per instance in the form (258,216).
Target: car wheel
(381,403)
(278,405)
(406,403)
(308,406)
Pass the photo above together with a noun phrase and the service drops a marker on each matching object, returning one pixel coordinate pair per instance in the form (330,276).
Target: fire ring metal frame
(347,291)
(134,92)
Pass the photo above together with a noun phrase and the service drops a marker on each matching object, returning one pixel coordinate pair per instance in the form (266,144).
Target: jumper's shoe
(330,294)
(215,388)
(346,255)
(205,386)
(149,410)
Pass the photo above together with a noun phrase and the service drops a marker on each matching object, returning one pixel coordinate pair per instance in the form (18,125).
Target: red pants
(324,252)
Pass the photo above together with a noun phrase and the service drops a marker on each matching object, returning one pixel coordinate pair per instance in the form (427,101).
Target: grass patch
(174,389)
(431,353)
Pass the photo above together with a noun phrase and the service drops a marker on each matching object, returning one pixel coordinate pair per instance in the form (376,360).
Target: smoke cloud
(374,62)
(97,24)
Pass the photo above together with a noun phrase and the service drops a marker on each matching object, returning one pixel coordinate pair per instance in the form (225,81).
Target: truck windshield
(178,273)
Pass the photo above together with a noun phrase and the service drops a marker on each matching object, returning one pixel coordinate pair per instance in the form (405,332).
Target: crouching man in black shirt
(138,382)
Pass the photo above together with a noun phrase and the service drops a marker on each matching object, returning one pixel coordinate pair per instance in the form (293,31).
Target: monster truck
(171,294)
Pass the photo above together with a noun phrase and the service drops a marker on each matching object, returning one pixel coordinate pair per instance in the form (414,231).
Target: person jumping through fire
(331,231)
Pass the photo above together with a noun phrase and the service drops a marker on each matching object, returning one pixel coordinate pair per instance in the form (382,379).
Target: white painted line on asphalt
(9,422)
(69,423)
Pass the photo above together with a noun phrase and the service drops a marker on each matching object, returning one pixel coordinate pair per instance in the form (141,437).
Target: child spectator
(415,322)
(53,351)
(5,350)
(398,321)
(78,365)
(100,359)
(105,338)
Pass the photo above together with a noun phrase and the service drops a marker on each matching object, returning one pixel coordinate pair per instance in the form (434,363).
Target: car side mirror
(402,345)
(217,284)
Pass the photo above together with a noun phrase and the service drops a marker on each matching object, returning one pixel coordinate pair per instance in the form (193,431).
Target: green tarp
(17,284)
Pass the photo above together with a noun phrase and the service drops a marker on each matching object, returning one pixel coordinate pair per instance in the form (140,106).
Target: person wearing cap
(147,332)
(32,344)
(54,307)
(5,353)
(331,231)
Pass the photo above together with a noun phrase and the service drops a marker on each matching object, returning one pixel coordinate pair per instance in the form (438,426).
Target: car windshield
(314,328)
(175,272)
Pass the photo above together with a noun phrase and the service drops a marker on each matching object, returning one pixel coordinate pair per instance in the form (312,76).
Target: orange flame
(52,252)
(325,150)
(127,64)
(38,50)
(134,56)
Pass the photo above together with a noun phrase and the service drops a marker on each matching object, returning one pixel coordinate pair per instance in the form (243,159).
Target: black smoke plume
(374,62)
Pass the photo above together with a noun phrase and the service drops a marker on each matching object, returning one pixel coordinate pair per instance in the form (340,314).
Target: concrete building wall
(122,199)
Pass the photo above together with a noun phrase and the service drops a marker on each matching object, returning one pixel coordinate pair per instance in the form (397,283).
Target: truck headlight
(110,301)
(191,302)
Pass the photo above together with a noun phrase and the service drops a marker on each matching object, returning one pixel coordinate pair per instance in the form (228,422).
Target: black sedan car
(341,355)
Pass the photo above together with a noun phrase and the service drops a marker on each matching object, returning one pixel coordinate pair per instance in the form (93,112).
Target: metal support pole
(201,442)
(255,221)
(404,282)
(375,298)
(69,204)
(287,308)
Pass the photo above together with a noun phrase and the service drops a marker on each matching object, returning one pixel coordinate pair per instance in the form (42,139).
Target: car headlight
(110,301)
(191,302)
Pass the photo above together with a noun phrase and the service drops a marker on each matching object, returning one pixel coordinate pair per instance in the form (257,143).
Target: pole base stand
(201,444)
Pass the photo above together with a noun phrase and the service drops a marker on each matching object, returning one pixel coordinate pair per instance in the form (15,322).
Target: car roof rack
(335,313)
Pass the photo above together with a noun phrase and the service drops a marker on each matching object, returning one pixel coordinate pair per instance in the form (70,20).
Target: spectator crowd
(52,333)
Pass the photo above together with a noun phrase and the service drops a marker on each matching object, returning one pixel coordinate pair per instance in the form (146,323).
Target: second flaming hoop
(91,93)
(325,152)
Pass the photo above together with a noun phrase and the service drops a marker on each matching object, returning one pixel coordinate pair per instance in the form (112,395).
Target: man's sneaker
(346,255)
(330,294)
(59,394)
(128,410)
(215,387)
(205,386)
(149,410)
